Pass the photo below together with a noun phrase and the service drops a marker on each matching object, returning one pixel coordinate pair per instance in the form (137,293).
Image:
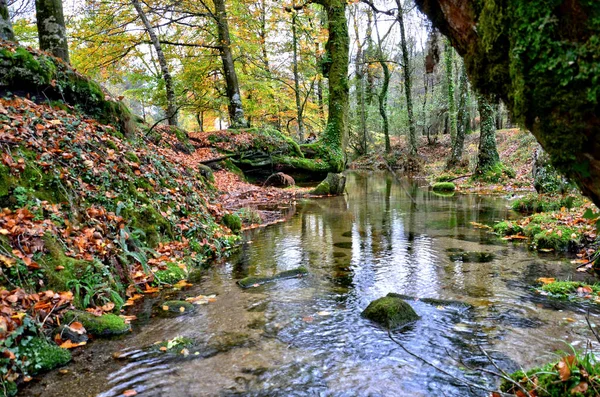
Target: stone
(333,185)
(280,179)
(105,325)
(175,308)
(254,281)
(390,312)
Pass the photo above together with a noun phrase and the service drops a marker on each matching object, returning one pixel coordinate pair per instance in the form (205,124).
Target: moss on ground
(254,281)
(567,289)
(390,312)
(171,275)
(544,203)
(43,356)
(444,187)
(507,228)
(233,222)
(106,325)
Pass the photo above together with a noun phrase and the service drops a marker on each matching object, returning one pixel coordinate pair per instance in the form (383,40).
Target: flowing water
(305,337)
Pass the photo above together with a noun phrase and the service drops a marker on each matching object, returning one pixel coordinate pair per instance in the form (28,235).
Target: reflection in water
(306,337)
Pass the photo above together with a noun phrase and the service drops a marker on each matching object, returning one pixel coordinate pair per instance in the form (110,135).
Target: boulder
(255,281)
(280,179)
(175,308)
(390,312)
(105,325)
(333,185)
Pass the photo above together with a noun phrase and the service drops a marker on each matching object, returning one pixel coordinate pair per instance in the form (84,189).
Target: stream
(305,337)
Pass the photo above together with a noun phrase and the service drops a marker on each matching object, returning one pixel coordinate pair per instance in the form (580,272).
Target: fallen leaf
(163,348)
(546,280)
(77,327)
(324,313)
(70,345)
(580,388)
(308,319)
(564,372)
(165,307)
(130,393)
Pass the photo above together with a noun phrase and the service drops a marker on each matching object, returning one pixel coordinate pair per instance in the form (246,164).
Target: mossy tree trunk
(412,134)
(164,66)
(359,67)
(541,58)
(52,33)
(299,105)
(488,155)
(448,61)
(232,86)
(6,30)
(462,122)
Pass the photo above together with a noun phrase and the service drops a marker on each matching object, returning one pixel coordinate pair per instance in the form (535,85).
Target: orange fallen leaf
(580,388)
(546,280)
(130,393)
(70,345)
(77,327)
(151,290)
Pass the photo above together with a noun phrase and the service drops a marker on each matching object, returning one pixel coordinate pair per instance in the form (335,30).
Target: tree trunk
(383,97)
(448,58)
(299,109)
(232,87)
(162,61)
(370,91)
(359,66)
(463,120)
(52,33)
(336,68)
(488,153)
(263,35)
(412,134)
(319,82)
(6,30)
(200,120)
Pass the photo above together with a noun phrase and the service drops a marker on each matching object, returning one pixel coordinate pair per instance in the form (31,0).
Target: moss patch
(544,203)
(390,312)
(443,187)
(44,356)
(507,228)
(233,222)
(105,325)
(171,275)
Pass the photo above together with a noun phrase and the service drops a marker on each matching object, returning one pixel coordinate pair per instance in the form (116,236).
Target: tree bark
(383,99)
(488,153)
(359,66)
(6,30)
(336,68)
(52,33)
(412,134)
(299,107)
(463,120)
(232,87)
(448,55)
(162,61)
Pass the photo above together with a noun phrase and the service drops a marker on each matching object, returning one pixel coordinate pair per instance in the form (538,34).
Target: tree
(449,63)
(299,105)
(383,94)
(52,32)
(488,155)
(164,67)
(236,110)
(335,68)
(463,120)
(6,30)
(540,58)
(412,134)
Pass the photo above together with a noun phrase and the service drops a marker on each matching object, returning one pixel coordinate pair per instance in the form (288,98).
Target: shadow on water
(304,336)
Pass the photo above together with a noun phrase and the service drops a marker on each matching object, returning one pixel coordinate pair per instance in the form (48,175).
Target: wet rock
(434,301)
(175,308)
(67,333)
(347,234)
(280,179)
(333,185)
(105,325)
(255,281)
(390,312)
(229,340)
(472,256)
(343,244)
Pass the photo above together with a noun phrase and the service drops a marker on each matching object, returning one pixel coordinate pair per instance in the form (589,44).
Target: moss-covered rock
(206,172)
(254,281)
(44,356)
(172,274)
(229,340)
(175,345)
(233,222)
(546,203)
(433,301)
(507,228)
(390,312)
(443,187)
(470,256)
(106,325)
(175,308)
(333,185)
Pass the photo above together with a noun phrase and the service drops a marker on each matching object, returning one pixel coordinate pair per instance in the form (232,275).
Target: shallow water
(305,336)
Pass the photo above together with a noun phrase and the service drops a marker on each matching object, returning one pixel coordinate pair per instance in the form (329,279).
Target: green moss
(233,222)
(444,187)
(495,173)
(9,388)
(545,203)
(105,325)
(174,345)
(559,238)
(44,356)
(111,145)
(565,288)
(507,228)
(253,281)
(472,257)
(131,156)
(390,312)
(148,220)
(433,301)
(175,308)
(206,172)
(171,275)
(333,184)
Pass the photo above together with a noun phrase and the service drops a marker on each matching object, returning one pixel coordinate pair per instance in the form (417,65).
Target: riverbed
(305,337)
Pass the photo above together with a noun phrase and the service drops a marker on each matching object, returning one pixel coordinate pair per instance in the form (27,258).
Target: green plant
(96,287)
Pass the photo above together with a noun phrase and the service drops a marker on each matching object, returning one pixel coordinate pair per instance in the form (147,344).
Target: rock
(333,185)
(74,335)
(433,301)
(253,281)
(443,187)
(471,256)
(229,340)
(105,325)
(390,312)
(280,179)
(175,308)
(206,172)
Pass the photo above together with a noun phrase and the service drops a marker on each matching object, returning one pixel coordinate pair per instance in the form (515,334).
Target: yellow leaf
(165,307)
(546,280)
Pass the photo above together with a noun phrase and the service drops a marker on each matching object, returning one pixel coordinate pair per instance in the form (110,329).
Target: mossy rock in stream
(433,301)
(390,312)
(175,308)
(253,281)
(229,340)
(106,325)
(333,185)
(443,187)
(472,257)
(43,356)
